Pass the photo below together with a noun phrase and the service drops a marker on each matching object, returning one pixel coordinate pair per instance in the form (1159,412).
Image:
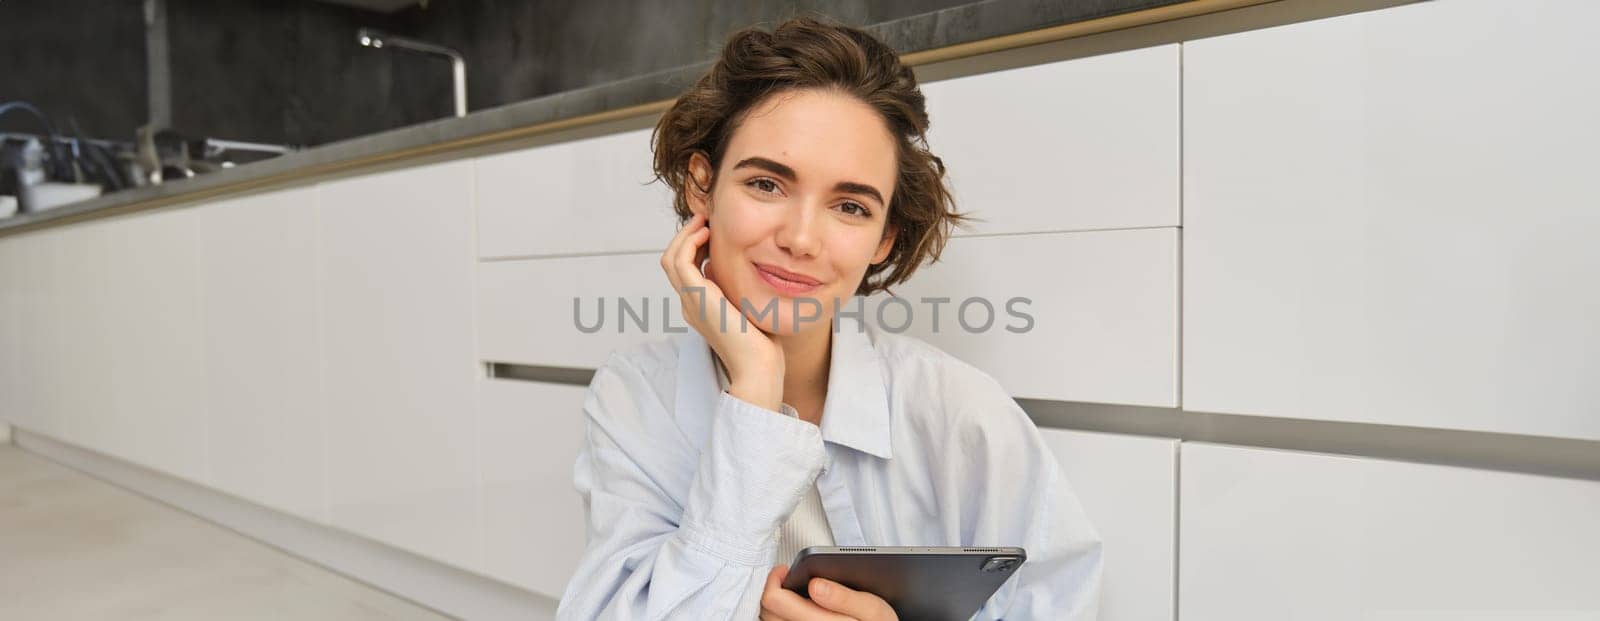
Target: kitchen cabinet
(1269,535)
(13,270)
(1388,218)
(89,359)
(1086,143)
(148,306)
(534,524)
(263,400)
(1128,487)
(399,370)
(29,407)
(1083,316)
(526,308)
(591,195)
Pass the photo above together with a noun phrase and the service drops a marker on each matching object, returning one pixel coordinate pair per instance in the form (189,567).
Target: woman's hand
(829,600)
(755,363)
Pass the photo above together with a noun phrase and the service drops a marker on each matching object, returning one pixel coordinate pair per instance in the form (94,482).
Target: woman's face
(803,186)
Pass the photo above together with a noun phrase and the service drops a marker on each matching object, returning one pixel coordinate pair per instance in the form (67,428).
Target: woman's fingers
(669,256)
(850,602)
(780,603)
(748,353)
(697,292)
(774,581)
(686,280)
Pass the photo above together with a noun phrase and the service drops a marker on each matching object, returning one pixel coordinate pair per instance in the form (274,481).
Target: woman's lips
(783,285)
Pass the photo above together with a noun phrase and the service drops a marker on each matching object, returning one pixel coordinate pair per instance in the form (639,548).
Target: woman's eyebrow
(767,165)
(852,187)
(782,170)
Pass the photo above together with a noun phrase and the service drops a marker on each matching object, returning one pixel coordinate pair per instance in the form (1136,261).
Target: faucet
(368,37)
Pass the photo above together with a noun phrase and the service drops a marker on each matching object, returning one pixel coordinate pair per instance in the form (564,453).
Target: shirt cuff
(755,467)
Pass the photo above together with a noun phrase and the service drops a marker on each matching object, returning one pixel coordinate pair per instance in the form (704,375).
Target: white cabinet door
(399,368)
(573,311)
(1099,322)
(258,282)
(1389,217)
(585,196)
(153,338)
(94,364)
(13,270)
(1128,486)
(1270,535)
(29,407)
(533,519)
(1088,143)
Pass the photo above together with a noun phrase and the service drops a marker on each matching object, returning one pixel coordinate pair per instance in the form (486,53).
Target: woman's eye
(860,211)
(765,185)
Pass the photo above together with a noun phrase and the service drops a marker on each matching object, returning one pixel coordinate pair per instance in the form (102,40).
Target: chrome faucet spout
(376,39)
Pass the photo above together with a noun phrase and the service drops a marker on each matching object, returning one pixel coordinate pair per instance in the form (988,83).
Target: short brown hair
(806,52)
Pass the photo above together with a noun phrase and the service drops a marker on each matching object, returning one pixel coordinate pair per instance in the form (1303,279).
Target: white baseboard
(426,582)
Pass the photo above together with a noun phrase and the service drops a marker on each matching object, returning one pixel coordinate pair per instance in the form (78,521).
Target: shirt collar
(855,412)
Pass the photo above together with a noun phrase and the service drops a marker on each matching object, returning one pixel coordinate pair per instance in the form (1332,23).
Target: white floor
(74,547)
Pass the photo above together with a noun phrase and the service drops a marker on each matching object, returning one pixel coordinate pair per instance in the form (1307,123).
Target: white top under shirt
(808,525)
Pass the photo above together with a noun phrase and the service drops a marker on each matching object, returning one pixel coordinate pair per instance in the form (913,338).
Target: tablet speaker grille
(858,549)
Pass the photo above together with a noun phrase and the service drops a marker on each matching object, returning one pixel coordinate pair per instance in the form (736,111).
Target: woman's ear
(698,189)
(886,244)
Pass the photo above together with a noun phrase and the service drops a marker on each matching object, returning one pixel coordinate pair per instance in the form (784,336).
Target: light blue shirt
(685,485)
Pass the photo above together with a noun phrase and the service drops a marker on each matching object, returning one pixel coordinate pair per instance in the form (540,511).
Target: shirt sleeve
(1026,500)
(699,548)
(1062,576)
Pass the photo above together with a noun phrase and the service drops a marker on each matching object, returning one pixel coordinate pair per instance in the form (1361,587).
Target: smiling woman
(801,171)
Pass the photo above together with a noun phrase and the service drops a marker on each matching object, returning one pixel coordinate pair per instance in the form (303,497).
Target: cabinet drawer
(526,308)
(1103,308)
(1088,143)
(1269,535)
(1128,486)
(1389,218)
(534,525)
(584,196)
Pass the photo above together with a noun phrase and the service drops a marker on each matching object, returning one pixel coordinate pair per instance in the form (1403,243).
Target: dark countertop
(920,33)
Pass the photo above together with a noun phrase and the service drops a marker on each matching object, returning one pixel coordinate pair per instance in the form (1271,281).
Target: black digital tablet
(918,582)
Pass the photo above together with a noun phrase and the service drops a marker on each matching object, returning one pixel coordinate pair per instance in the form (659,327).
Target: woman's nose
(797,233)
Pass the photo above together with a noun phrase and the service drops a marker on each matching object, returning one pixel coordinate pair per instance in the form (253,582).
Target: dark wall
(80,60)
(518,50)
(291,72)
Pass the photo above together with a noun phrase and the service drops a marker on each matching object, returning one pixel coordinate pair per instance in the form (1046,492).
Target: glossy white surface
(149,309)
(399,367)
(533,521)
(1128,486)
(1104,308)
(1389,218)
(40,340)
(12,378)
(91,374)
(526,308)
(259,298)
(1104,322)
(1087,143)
(1270,535)
(27,377)
(585,196)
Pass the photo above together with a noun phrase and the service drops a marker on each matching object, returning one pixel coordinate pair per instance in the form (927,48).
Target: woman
(800,166)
